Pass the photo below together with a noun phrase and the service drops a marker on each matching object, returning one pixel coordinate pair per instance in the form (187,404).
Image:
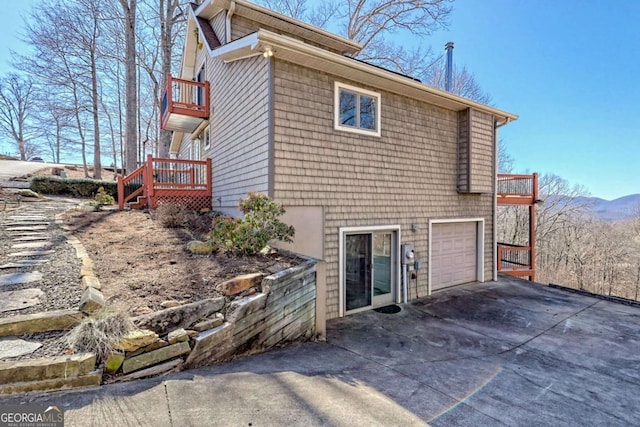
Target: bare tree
(463,82)
(16,105)
(129,10)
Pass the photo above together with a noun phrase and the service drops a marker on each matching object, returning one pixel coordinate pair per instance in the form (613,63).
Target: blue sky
(568,68)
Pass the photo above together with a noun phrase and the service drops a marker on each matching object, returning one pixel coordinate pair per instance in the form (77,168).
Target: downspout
(227,27)
(496,125)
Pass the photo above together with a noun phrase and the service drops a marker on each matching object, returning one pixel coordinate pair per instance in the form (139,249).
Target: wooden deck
(181,182)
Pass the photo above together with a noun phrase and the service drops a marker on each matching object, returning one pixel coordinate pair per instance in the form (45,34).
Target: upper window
(357,110)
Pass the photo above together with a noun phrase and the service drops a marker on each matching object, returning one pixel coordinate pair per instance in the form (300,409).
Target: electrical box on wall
(407,254)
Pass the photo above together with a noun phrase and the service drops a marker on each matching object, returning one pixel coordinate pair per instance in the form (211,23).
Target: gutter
(259,41)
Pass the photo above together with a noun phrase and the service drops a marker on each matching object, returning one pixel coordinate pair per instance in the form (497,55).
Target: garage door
(454,254)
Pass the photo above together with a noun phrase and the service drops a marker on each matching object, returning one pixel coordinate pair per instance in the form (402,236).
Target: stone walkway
(30,231)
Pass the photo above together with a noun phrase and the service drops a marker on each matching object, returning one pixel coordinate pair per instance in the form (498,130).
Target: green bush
(102,199)
(251,233)
(77,187)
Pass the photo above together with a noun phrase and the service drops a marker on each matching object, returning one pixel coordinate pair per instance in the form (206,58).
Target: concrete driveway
(503,353)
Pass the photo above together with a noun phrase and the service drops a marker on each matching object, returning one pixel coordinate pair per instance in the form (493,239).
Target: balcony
(185,105)
(515,260)
(517,189)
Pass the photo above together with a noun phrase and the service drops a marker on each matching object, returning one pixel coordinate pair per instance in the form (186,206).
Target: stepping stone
(26,224)
(19,278)
(32,245)
(32,253)
(24,263)
(17,300)
(28,233)
(28,228)
(14,347)
(28,218)
(32,238)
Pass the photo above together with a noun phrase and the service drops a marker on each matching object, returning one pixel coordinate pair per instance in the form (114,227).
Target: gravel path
(60,281)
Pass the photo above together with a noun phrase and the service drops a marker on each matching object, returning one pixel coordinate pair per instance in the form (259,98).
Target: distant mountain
(612,210)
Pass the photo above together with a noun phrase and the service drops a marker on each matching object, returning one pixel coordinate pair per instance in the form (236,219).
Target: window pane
(347,108)
(367,112)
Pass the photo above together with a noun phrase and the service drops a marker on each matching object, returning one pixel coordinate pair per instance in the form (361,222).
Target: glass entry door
(368,267)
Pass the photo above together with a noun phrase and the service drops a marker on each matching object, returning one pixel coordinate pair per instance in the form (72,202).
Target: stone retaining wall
(281,310)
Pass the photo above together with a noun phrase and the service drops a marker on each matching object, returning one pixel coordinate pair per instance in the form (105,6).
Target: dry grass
(99,333)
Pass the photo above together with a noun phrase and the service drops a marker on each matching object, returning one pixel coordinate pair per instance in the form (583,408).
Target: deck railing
(186,97)
(518,189)
(183,182)
(515,259)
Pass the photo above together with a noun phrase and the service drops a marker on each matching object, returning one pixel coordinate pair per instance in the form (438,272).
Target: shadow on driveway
(500,353)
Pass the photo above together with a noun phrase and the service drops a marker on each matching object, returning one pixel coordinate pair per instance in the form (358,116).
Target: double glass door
(369,265)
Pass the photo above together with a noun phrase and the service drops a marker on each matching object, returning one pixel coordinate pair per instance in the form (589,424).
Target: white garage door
(454,254)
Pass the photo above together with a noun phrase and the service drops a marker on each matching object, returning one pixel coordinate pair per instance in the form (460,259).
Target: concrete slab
(32,253)
(14,347)
(379,369)
(32,245)
(284,398)
(20,278)
(20,299)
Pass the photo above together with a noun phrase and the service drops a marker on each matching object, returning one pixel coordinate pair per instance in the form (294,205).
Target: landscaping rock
(164,321)
(113,362)
(154,370)
(17,300)
(155,357)
(209,323)
(86,271)
(179,335)
(240,283)
(90,282)
(39,322)
(136,339)
(46,368)
(92,379)
(245,306)
(92,300)
(192,333)
(170,304)
(153,346)
(14,347)
(214,345)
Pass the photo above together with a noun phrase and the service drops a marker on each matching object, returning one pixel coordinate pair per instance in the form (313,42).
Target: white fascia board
(242,48)
(417,89)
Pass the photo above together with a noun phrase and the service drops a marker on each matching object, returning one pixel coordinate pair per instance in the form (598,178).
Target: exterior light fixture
(267,52)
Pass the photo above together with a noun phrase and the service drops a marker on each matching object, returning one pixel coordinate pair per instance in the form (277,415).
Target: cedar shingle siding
(407,176)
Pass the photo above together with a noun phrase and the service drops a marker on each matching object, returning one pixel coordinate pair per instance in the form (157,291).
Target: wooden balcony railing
(516,260)
(517,189)
(182,182)
(185,104)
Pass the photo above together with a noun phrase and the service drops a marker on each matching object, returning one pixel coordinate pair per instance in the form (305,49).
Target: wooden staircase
(185,183)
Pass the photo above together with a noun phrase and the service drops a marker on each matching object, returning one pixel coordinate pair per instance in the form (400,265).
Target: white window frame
(358,91)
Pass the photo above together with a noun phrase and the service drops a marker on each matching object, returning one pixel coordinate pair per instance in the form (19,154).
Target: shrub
(101,199)
(76,187)
(251,233)
(172,215)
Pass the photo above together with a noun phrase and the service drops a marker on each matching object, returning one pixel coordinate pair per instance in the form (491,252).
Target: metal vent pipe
(448,78)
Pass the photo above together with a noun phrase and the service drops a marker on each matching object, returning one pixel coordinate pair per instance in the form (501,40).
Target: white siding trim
(343,231)
(479,245)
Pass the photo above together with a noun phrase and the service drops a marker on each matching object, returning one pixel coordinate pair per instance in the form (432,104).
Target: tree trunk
(131,83)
